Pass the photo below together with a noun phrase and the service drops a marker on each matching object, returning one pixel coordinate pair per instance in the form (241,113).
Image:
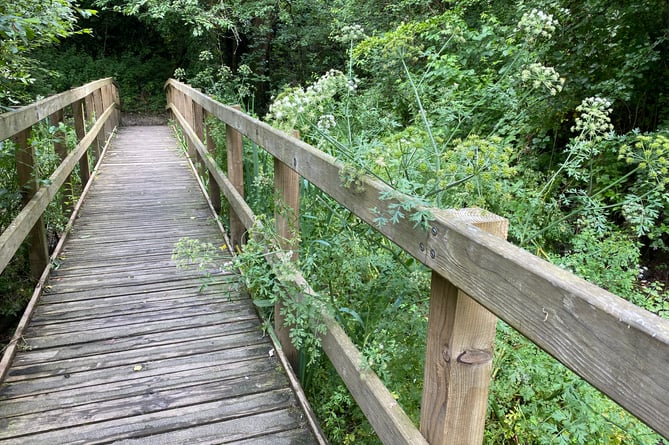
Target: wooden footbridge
(120,345)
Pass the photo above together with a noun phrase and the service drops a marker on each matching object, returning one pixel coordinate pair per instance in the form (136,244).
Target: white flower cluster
(297,101)
(325,122)
(540,75)
(349,33)
(244,70)
(205,56)
(537,24)
(594,120)
(179,74)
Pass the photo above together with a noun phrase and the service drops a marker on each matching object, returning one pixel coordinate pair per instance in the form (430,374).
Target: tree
(27,25)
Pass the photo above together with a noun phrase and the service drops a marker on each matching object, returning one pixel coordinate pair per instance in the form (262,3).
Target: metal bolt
(433,254)
(421,246)
(294,162)
(434,231)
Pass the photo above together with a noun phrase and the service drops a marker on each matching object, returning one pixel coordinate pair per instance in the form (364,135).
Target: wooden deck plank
(123,346)
(184,333)
(125,370)
(133,385)
(219,418)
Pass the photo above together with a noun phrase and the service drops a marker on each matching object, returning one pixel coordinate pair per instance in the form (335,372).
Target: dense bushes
(550,113)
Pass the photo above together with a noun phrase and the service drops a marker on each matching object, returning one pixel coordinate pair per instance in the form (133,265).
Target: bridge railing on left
(95,104)
(94,109)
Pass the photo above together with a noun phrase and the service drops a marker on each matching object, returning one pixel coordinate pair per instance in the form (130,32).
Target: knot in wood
(475,357)
(446,354)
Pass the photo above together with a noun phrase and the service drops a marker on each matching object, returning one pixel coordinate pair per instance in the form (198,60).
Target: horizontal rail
(378,404)
(239,206)
(18,230)
(25,117)
(619,348)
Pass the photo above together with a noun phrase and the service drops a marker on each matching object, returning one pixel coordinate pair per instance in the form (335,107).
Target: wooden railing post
(60,147)
(214,189)
(107,100)
(116,97)
(286,220)
(198,126)
(29,183)
(99,109)
(235,149)
(80,129)
(187,111)
(458,362)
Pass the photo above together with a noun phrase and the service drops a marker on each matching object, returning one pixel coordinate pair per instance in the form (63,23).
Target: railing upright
(98,108)
(29,184)
(79,116)
(235,153)
(107,99)
(60,148)
(197,114)
(286,219)
(458,360)
(214,189)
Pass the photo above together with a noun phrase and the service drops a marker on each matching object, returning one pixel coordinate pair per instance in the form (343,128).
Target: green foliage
(27,25)
(270,278)
(471,108)
(139,72)
(15,282)
(379,296)
(534,399)
(550,113)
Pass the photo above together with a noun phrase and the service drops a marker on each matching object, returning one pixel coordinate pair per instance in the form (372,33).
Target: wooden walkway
(125,348)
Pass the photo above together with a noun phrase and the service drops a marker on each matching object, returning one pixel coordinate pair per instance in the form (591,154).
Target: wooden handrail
(25,117)
(386,416)
(621,349)
(19,122)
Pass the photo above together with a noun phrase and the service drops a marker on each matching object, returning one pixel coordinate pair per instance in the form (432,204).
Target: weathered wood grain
(27,116)
(125,369)
(458,358)
(583,326)
(13,236)
(219,419)
(235,155)
(123,345)
(132,382)
(286,223)
(154,398)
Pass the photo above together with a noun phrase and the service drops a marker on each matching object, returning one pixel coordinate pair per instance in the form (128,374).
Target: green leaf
(264,303)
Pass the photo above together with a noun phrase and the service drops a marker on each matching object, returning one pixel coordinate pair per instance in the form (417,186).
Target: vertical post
(235,148)
(458,362)
(80,130)
(107,100)
(198,127)
(286,220)
(117,101)
(214,189)
(169,99)
(187,111)
(99,109)
(60,147)
(28,182)
(89,108)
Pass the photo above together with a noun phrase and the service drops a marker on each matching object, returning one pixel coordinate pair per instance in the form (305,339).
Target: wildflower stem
(423,116)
